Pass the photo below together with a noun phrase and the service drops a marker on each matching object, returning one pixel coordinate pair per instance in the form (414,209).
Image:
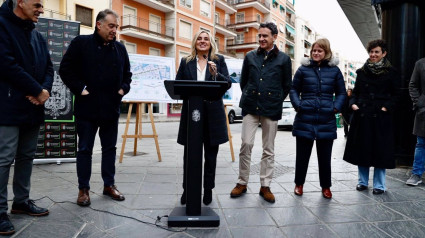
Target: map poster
(149,73)
(233,95)
(58,138)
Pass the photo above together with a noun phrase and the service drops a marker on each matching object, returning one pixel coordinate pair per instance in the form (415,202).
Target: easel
(138,127)
(229,133)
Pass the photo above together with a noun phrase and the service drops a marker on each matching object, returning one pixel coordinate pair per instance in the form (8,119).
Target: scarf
(378,68)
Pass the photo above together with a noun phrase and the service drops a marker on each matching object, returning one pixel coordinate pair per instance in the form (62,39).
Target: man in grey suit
(417,93)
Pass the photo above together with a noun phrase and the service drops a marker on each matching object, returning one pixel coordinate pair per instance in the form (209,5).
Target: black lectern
(195,92)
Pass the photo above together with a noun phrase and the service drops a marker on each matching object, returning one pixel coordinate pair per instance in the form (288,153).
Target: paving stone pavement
(153,189)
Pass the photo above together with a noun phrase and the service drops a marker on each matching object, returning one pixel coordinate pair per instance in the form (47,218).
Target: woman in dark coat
(370,141)
(201,65)
(315,84)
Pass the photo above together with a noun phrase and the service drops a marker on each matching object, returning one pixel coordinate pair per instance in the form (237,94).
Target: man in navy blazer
(96,69)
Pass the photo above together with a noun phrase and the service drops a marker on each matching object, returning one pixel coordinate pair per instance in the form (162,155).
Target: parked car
(288,116)
(234,113)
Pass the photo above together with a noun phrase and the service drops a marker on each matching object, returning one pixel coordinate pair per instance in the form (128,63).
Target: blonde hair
(325,45)
(213,46)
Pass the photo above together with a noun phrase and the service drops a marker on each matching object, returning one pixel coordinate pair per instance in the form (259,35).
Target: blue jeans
(378,177)
(419,162)
(86,130)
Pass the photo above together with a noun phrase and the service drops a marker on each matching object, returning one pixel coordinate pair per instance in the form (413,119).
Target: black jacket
(214,110)
(265,82)
(312,94)
(370,141)
(100,69)
(25,69)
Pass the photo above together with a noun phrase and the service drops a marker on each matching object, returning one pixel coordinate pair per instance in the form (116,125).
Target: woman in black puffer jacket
(312,95)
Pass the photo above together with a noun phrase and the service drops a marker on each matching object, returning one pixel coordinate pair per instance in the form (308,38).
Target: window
(282,10)
(185,30)
(258,18)
(205,8)
(130,47)
(281,46)
(182,54)
(84,15)
(186,3)
(240,17)
(129,16)
(217,18)
(154,51)
(217,41)
(204,29)
(240,38)
(154,23)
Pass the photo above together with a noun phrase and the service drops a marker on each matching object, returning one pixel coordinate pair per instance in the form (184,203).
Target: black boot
(183,198)
(207,196)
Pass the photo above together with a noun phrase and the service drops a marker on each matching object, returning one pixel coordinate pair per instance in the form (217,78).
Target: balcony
(161,5)
(290,20)
(244,21)
(221,27)
(148,30)
(242,43)
(227,6)
(261,5)
(48,13)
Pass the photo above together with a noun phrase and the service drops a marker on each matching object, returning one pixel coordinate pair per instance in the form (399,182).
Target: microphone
(215,76)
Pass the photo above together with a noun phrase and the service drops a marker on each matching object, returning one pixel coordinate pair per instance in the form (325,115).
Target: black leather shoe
(183,198)
(207,196)
(378,191)
(6,227)
(28,208)
(360,187)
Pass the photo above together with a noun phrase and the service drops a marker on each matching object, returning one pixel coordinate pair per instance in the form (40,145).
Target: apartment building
(84,11)
(166,27)
(304,39)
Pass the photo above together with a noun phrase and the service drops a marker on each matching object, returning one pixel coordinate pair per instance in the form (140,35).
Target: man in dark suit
(96,69)
(25,82)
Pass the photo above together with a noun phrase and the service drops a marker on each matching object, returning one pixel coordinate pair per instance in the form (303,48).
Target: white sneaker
(414,180)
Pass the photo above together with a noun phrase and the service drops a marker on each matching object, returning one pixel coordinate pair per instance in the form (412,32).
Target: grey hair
(15,3)
(102,14)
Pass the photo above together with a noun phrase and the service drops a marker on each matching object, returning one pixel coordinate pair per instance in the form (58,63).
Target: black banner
(58,136)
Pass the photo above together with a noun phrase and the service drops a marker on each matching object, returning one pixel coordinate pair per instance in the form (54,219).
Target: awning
(274,2)
(290,11)
(281,8)
(290,29)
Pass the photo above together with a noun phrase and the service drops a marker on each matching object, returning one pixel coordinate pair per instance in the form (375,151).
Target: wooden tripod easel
(138,127)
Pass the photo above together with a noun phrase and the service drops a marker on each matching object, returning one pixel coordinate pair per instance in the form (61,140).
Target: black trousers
(324,152)
(210,164)
(86,130)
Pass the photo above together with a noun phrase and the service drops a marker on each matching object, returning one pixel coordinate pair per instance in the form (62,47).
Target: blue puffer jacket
(312,95)
(25,69)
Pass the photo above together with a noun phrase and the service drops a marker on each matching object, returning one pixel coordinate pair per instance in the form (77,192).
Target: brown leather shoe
(298,190)
(113,192)
(238,191)
(267,194)
(83,197)
(326,192)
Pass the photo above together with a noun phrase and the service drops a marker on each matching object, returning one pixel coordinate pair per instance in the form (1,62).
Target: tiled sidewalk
(153,189)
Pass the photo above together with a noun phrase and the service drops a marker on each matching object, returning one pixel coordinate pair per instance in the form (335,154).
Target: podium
(195,92)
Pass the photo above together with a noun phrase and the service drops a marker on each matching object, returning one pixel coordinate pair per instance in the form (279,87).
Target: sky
(328,19)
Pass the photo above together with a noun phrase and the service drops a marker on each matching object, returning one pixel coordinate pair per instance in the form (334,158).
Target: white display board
(149,73)
(233,95)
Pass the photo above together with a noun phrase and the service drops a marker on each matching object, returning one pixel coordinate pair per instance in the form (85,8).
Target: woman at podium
(203,64)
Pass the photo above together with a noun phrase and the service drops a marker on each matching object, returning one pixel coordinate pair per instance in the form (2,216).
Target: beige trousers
(249,127)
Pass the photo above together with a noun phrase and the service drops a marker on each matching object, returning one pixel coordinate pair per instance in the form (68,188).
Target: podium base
(208,218)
